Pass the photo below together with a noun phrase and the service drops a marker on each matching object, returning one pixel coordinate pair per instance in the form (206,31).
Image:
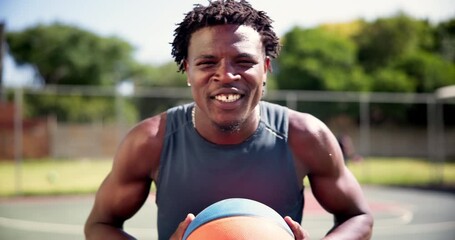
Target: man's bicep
(117,199)
(127,186)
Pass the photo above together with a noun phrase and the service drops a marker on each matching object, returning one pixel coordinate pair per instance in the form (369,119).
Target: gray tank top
(195,173)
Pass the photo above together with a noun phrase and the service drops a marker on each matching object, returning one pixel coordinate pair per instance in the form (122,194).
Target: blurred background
(76,75)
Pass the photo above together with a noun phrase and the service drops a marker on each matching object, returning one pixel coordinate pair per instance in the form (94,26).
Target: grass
(52,177)
(404,172)
(56,177)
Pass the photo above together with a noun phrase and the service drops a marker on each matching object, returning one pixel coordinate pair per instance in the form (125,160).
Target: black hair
(218,13)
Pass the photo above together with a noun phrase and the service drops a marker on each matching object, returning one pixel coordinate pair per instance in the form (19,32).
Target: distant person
(228,143)
(348,149)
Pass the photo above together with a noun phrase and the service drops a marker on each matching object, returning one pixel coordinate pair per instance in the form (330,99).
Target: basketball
(238,219)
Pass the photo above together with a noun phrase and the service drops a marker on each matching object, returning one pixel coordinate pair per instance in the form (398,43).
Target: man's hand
(299,232)
(178,234)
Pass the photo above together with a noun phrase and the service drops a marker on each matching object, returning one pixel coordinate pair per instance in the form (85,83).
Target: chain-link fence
(88,122)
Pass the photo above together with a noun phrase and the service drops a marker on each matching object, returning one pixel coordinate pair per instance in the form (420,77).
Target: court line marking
(69,229)
(400,216)
(403,216)
(383,226)
(40,226)
(73,229)
(414,228)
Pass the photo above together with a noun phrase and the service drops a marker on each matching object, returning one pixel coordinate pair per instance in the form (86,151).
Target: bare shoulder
(305,122)
(306,129)
(139,151)
(313,143)
(149,130)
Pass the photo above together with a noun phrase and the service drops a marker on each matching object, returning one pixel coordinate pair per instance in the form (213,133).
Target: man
(227,143)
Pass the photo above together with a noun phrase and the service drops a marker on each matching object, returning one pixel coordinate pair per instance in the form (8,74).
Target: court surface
(399,213)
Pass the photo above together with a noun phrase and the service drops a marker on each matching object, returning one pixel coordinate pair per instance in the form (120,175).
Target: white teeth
(227,97)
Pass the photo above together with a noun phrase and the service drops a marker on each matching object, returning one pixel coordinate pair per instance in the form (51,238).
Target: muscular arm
(127,186)
(333,185)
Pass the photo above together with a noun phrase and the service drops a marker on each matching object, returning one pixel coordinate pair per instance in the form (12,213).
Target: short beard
(230,127)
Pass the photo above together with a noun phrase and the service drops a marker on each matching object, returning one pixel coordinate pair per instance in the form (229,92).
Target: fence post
(291,100)
(440,148)
(18,139)
(365,124)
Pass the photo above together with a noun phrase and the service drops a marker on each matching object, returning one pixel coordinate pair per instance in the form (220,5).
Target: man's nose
(226,72)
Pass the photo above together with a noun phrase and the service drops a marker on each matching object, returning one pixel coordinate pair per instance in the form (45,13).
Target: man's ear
(268,64)
(185,67)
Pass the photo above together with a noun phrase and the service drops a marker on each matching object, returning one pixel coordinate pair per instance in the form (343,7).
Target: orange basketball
(238,219)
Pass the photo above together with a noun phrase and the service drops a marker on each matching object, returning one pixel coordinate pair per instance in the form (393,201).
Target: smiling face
(226,67)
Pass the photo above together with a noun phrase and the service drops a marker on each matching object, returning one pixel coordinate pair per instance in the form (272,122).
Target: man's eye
(246,63)
(205,63)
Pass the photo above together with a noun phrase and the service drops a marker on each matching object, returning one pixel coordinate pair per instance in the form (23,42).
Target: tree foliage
(389,38)
(165,75)
(64,54)
(445,39)
(394,54)
(67,55)
(428,71)
(315,59)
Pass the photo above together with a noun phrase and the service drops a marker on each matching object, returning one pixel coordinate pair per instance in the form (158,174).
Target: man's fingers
(299,232)
(178,234)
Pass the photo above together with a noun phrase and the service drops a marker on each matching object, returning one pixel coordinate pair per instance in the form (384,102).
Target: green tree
(387,39)
(392,80)
(445,39)
(165,75)
(317,59)
(67,55)
(428,71)
(64,54)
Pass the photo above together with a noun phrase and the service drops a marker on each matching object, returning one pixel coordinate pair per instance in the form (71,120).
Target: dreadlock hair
(222,12)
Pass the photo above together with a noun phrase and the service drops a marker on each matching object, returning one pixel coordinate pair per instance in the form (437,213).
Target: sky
(148,24)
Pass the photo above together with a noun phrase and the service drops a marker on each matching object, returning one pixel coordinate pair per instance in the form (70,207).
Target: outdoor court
(399,214)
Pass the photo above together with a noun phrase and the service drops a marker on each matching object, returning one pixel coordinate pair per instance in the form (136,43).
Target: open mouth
(228,98)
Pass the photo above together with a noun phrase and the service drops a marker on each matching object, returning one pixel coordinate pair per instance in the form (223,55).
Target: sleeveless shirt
(195,173)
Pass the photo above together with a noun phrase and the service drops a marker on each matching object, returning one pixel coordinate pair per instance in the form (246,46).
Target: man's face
(226,67)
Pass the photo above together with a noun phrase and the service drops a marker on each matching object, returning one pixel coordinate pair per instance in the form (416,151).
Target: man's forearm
(356,228)
(100,231)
